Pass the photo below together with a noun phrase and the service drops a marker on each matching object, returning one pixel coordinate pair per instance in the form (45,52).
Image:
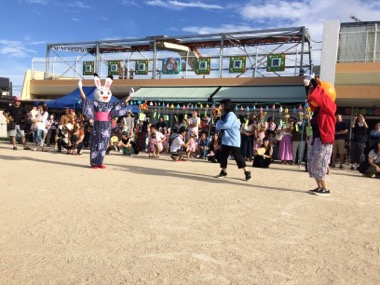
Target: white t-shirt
(191,121)
(176,144)
(159,136)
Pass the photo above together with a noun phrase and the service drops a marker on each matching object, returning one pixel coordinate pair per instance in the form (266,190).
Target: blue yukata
(101,113)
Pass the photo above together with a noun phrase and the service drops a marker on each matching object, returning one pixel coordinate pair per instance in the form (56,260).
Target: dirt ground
(154,221)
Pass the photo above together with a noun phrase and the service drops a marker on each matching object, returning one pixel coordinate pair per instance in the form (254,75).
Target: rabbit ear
(97,81)
(108,83)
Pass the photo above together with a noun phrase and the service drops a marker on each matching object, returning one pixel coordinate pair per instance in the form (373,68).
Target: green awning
(175,94)
(267,94)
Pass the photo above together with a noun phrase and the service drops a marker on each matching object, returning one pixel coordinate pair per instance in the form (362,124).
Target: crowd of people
(252,139)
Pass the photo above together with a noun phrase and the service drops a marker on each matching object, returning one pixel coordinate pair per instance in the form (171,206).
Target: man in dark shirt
(341,130)
(16,119)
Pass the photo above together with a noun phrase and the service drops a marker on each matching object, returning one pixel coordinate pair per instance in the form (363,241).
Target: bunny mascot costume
(101,110)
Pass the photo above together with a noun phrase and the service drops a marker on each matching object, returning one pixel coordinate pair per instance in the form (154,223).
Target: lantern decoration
(300,108)
(178,106)
(167,105)
(247,109)
(266,108)
(254,107)
(273,107)
(280,109)
(294,110)
(261,109)
(286,111)
(172,106)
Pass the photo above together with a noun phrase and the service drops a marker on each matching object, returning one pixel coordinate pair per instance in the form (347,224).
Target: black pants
(235,151)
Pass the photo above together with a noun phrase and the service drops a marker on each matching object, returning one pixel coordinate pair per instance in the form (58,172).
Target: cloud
(129,3)
(42,2)
(177,5)
(15,49)
(216,30)
(80,4)
(75,20)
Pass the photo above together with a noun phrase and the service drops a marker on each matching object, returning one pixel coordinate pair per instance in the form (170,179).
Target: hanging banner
(88,68)
(237,64)
(276,62)
(203,65)
(113,67)
(171,65)
(141,67)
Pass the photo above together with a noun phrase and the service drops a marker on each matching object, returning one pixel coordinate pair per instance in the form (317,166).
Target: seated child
(125,143)
(114,144)
(203,145)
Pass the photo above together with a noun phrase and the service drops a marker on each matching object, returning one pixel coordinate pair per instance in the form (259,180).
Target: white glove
(80,85)
(132,92)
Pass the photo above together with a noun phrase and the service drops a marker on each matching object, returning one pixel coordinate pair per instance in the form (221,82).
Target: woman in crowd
(247,132)
(214,149)
(284,133)
(261,128)
(374,135)
(358,140)
(263,156)
(51,126)
(271,124)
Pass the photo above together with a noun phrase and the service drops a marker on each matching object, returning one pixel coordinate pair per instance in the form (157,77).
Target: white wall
(329,50)
(3,126)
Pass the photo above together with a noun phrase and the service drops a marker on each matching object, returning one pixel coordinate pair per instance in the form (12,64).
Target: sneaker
(15,148)
(352,168)
(323,192)
(101,166)
(341,166)
(313,191)
(248,175)
(222,174)
(27,148)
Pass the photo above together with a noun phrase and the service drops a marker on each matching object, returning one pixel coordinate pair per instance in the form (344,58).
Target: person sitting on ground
(113,144)
(374,161)
(76,139)
(215,148)
(178,146)
(263,156)
(160,138)
(125,144)
(203,145)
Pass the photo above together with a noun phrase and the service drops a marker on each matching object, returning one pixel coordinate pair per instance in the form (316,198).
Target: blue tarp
(73,100)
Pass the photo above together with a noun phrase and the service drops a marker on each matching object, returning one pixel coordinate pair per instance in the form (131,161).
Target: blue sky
(29,25)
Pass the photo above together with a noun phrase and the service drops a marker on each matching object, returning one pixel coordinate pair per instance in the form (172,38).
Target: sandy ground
(149,221)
